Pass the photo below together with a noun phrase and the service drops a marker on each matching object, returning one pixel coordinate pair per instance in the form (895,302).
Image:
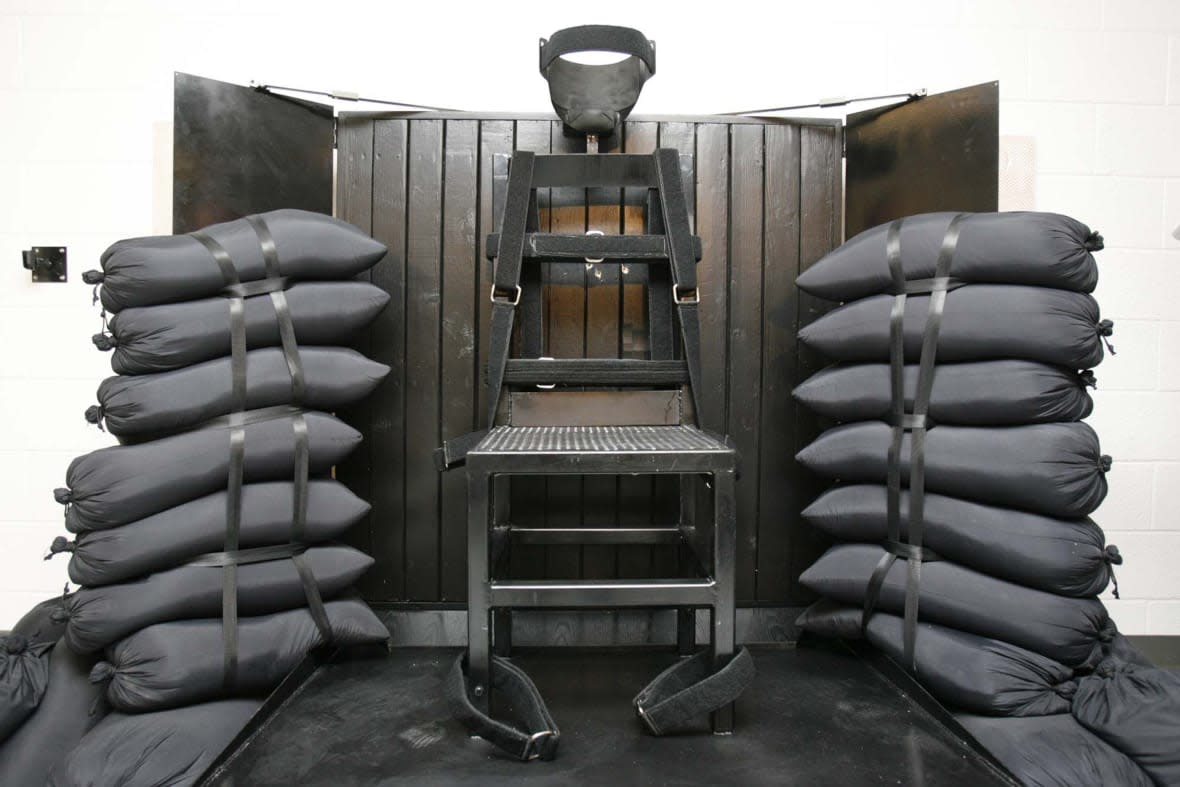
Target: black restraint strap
(916,423)
(228,272)
(691,688)
(599,38)
(251,289)
(539,738)
(506,278)
(685,294)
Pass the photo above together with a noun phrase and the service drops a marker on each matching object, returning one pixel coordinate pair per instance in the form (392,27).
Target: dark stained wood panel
(765,199)
(423,364)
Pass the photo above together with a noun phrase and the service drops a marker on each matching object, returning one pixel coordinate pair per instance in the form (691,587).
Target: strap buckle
(540,745)
(590,261)
(686,296)
(515,300)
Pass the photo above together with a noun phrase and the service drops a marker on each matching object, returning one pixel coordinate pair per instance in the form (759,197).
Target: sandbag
(44,623)
(24,674)
(986,393)
(171,537)
(977,674)
(980,322)
(1038,249)
(153,405)
(181,662)
(1052,469)
(1053,751)
(1064,556)
(120,484)
(160,338)
(1137,711)
(171,268)
(71,706)
(1068,630)
(100,616)
(172,747)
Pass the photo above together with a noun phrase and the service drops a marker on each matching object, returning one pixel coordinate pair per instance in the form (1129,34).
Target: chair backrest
(541,391)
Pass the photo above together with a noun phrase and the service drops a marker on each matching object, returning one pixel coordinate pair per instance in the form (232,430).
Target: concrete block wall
(1092,87)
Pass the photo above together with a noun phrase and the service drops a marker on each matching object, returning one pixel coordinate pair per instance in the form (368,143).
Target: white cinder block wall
(1092,86)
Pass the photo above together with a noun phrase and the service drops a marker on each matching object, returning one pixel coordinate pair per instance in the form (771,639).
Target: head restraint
(595,99)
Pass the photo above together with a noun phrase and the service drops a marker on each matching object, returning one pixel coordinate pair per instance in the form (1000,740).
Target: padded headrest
(595,99)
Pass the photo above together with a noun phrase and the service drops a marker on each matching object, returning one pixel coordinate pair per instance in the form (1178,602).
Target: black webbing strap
(691,688)
(540,736)
(505,293)
(244,557)
(278,297)
(315,602)
(685,295)
(229,574)
(516,217)
(224,262)
(599,38)
(916,422)
(251,289)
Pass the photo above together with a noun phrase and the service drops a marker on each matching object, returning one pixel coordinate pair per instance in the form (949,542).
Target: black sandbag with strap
(120,484)
(161,338)
(176,535)
(1036,249)
(71,706)
(1052,469)
(138,407)
(181,662)
(172,747)
(1053,751)
(171,268)
(1137,711)
(981,322)
(984,393)
(100,616)
(1069,557)
(1068,630)
(978,674)
(24,675)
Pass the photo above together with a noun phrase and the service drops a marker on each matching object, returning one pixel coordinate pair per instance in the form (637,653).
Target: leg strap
(690,688)
(540,737)
(680,694)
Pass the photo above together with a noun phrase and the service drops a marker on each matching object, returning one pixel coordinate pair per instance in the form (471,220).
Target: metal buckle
(596,259)
(546,386)
(529,753)
(514,302)
(643,715)
(686,297)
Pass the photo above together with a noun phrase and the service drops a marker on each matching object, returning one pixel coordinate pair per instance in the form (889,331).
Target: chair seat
(602,449)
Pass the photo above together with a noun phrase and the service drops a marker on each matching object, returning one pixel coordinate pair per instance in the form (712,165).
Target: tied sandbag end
(93,277)
(104,342)
(102,672)
(59,545)
(62,495)
(1094,241)
(1104,463)
(1087,379)
(1105,330)
(1113,558)
(15,643)
(94,415)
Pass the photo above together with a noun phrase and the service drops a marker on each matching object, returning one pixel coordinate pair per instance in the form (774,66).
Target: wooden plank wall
(766,200)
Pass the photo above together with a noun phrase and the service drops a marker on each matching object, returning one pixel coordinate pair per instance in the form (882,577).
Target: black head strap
(595,99)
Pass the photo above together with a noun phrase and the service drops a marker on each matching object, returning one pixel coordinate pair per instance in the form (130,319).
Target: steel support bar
(577,169)
(604,593)
(539,246)
(595,535)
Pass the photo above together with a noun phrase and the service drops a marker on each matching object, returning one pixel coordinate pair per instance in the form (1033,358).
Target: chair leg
(724,558)
(478,595)
(502,632)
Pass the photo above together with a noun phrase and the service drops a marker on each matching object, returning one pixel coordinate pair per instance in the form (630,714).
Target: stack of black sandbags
(204,543)
(966,478)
